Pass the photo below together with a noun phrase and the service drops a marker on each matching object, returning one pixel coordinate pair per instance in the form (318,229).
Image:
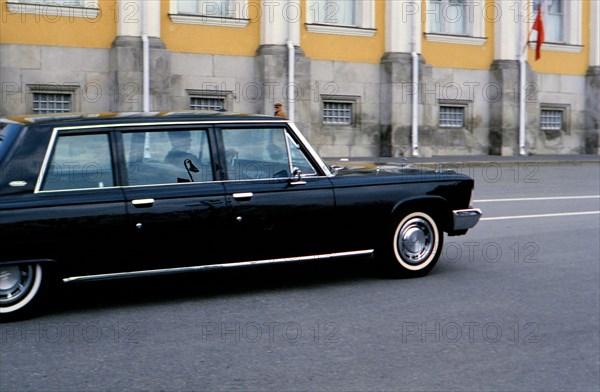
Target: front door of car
(175,206)
(274,213)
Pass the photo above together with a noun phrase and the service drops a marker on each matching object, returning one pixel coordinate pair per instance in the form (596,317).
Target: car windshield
(8,133)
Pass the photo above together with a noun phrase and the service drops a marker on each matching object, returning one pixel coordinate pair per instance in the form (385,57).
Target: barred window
(338,113)
(452,116)
(552,120)
(51,103)
(207,103)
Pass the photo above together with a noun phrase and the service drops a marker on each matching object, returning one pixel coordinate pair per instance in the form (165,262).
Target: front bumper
(466,219)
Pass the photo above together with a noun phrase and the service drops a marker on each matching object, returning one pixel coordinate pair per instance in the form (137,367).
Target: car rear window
(8,134)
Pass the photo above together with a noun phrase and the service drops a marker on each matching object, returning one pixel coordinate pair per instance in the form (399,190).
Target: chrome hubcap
(15,282)
(415,241)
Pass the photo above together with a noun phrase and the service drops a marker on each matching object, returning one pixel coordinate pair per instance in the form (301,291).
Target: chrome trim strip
(156,123)
(311,150)
(180,122)
(38,182)
(166,271)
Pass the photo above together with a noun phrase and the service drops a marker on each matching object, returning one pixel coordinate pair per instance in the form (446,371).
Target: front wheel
(415,245)
(21,286)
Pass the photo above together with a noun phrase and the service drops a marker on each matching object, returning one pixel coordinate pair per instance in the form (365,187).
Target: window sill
(555,47)
(53,10)
(340,30)
(455,39)
(209,20)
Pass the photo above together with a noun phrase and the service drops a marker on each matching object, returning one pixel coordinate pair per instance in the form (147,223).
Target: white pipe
(522,87)
(415,79)
(291,69)
(522,108)
(415,104)
(291,79)
(146,59)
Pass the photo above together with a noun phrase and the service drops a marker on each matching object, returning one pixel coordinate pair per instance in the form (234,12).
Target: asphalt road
(512,306)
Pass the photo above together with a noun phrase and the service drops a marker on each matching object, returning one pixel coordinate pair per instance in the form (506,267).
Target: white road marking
(537,199)
(540,215)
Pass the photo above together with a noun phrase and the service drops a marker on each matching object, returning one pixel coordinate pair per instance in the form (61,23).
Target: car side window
(167,157)
(256,153)
(262,153)
(299,160)
(79,162)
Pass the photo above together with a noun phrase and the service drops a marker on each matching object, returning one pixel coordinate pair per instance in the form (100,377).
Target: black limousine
(111,195)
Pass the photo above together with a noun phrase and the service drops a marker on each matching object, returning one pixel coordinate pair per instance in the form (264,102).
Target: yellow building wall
(60,30)
(566,63)
(440,54)
(192,38)
(318,46)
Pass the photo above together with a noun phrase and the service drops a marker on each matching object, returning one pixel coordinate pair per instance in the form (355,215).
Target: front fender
(436,205)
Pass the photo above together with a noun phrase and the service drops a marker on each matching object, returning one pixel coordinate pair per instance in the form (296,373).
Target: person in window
(181,141)
(279,112)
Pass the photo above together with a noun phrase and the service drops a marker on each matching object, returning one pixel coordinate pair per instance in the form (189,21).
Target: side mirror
(296,173)
(296,178)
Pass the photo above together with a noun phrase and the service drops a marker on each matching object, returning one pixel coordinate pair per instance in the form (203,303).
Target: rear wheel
(415,245)
(21,286)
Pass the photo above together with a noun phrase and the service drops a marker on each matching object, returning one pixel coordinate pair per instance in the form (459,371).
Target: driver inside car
(181,141)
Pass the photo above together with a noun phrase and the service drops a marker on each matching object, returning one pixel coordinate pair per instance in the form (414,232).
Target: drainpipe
(522,87)
(291,69)
(291,79)
(522,118)
(415,79)
(146,58)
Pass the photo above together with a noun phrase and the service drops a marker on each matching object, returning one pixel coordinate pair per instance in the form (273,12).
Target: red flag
(538,25)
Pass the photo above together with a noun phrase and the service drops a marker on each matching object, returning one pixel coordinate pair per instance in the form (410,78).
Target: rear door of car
(274,213)
(175,201)
(76,212)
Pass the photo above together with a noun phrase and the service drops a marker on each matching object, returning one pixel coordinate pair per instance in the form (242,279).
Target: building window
(455,21)
(207,103)
(553,14)
(338,113)
(448,17)
(452,117)
(51,9)
(344,17)
(219,100)
(552,120)
(336,12)
(52,98)
(52,103)
(229,13)
(220,8)
(562,25)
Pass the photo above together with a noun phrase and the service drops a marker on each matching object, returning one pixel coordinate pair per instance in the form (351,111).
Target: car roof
(118,117)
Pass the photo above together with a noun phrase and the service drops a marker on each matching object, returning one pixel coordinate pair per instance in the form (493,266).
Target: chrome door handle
(243,196)
(140,203)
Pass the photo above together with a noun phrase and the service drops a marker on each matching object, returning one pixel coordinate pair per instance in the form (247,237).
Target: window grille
(51,103)
(552,120)
(338,113)
(206,103)
(452,116)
